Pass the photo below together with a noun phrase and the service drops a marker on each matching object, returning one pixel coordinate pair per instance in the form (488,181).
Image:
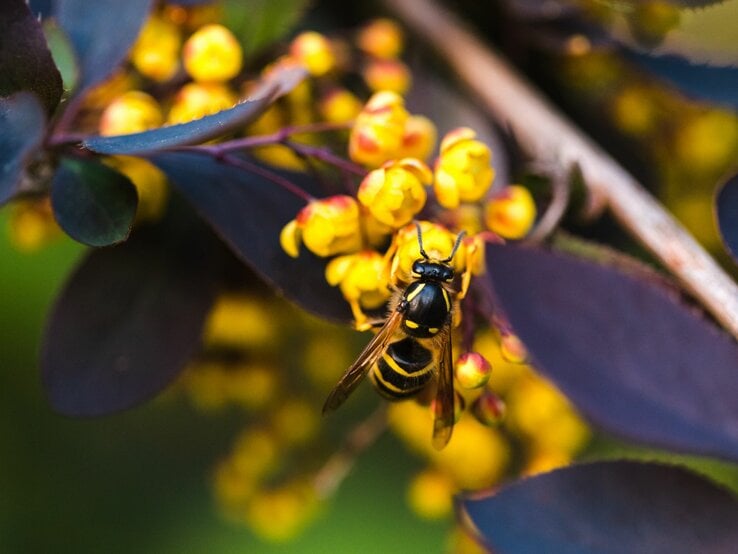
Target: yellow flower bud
(281,513)
(241,322)
(387,75)
(377,134)
(419,138)
(463,171)
(381,38)
(32,224)
(131,112)
(437,243)
(511,212)
(156,52)
(212,54)
(545,417)
(512,348)
(430,494)
(252,386)
(339,106)
(488,408)
(395,192)
(313,51)
(472,370)
(327,227)
(150,183)
(295,421)
(196,100)
(362,279)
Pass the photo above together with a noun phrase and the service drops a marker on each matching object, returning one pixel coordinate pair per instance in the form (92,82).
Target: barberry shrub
(217,168)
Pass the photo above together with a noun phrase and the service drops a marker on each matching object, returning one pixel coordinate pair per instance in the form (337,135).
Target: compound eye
(418,268)
(448,274)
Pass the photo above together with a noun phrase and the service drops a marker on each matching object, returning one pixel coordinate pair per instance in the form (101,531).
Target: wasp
(413,344)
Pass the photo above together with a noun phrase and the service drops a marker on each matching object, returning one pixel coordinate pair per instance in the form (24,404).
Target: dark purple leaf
(101,32)
(25,60)
(717,84)
(203,129)
(726,209)
(93,203)
(22,123)
(130,318)
(608,507)
(625,351)
(248,211)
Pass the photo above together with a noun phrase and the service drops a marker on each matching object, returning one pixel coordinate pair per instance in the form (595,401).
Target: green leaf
(262,21)
(93,203)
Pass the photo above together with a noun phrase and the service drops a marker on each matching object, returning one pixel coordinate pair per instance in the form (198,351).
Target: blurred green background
(139,481)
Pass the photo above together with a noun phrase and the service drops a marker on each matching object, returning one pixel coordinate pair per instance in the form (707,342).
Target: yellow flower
(196,100)
(131,112)
(511,213)
(156,52)
(437,243)
(430,494)
(463,170)
(387,75)
(377,135)
(363,280)
(381,38)
(472,370)
(339,106)
(313,51)
(327,227)
(212,54)
(419,138)
(150,182)
(395,192)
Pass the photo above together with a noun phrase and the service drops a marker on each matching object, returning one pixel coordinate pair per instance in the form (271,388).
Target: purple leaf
(25,60)
(129,318)
(205,128)
(631,357)
(608,507)
(248,211)
(22,123)
(101,32)
(726,210)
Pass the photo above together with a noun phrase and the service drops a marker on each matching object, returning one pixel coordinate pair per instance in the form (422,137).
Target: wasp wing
(363,363)
(443,424)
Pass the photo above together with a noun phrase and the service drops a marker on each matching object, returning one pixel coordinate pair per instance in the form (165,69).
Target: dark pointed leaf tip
(726,212)
(607,507)
(277,84)
(632,358)
(25,59)
(248,211)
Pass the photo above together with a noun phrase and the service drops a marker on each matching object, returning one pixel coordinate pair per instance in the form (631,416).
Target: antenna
(420,242)
(455,248)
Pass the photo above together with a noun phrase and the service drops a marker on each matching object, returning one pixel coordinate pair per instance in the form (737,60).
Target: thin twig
(560,193)
(338,466)
(327,156)
(266,174)
(278,137)
(546,135)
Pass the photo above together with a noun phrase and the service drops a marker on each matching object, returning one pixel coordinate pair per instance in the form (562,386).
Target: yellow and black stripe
(404,368)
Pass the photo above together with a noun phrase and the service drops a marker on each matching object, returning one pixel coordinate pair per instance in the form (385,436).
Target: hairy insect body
(428,309)
(413,346)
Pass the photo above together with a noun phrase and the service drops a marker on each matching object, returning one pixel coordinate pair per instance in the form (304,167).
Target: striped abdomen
(403,370)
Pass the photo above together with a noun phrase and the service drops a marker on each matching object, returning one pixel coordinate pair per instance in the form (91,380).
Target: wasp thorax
(434,271)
